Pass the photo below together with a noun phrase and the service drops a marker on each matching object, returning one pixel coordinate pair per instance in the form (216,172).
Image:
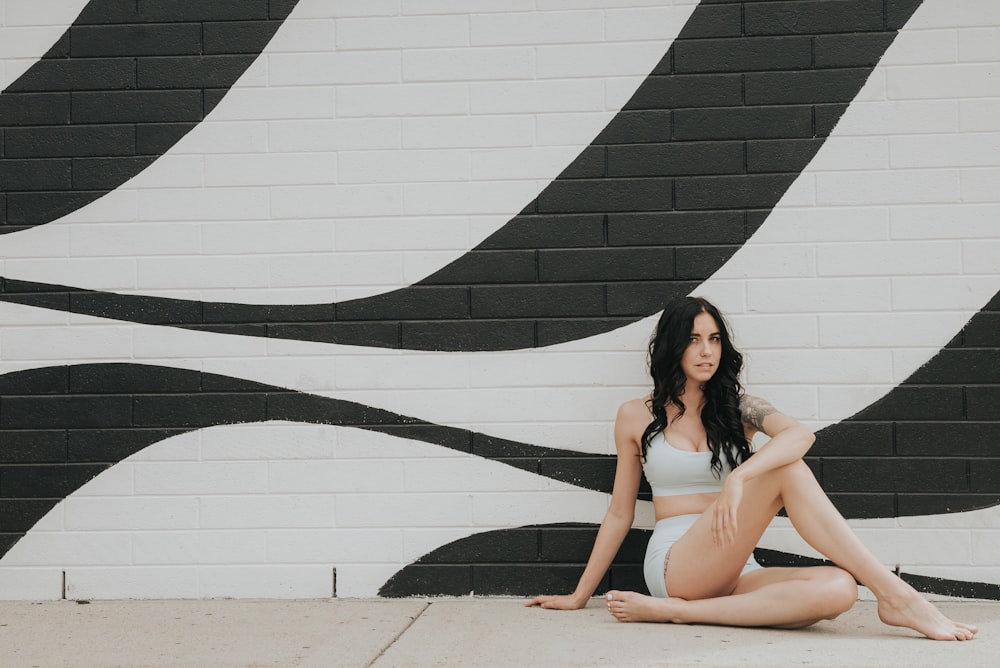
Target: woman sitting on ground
(713,501)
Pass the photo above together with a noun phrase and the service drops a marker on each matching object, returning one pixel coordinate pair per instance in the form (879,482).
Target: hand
(724,522)
(557,602)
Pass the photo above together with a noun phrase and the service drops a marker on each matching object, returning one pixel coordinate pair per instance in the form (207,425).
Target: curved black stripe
(121,86)
(665,195)
(541,558)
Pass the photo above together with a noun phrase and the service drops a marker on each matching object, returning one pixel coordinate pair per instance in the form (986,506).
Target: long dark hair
(721,410)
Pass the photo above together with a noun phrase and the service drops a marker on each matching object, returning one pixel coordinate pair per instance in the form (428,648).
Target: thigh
(700,568)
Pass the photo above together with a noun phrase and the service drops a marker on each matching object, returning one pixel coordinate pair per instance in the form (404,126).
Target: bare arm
(621,512)
(789,442)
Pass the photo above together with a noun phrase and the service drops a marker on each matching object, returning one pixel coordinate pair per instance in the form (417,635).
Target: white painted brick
(460,474)
(369,445)
(134,239)
(774,331)
(184,447)
(295,35)
(979,115)
(401,32)
(465,6)
(214,136)
(941,293)
(121,205)
(340,476)
(198,547)
(979,45)
(821,224)
(898,117)
(203,204)
(817,295)
(518,163)
(27,13)
(919,47)
(419,234)
(53,240)
(969,149)
(469,64)
(822,366)
(944,81)
(270,169)
(411,99)
(986,547)
(981,257)
(336,201)
(266,441)
(468,131)
(284,582)
(363,580)
(324,269)
(31,584)
(980,185)
(948,14)
(839,402)
(115,481)
(125,583)
(159,345)
(497,197)
(512,509)
(345,8)
(799,401)
(277,103)
(20,315)
(27,43)
(252,237)
(536,96)
(887,329)
(54,520)
(554,369)
(415,372)
(903,187)
(772,261)
(657,23)
(107,273)
(597,60)
(844,152)
(404,510)
(890,258)
(125,513)
(170,171)
(337,68)
(801,193)
(538,28)
(45,343)
(201,478)
(419,265)
(196,272)
(403,166)
(945,222)
(602,4)
(333,546)
(907,360)
(929,547)
(270,511)
(334,135)
(974,519)
(559,129)
(77,548)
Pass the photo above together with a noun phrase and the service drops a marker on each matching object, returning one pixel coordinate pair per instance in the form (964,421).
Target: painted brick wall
(309,298)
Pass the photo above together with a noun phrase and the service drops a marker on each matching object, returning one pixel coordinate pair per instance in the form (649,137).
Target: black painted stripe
(527,561)
(121,86)
(663,197)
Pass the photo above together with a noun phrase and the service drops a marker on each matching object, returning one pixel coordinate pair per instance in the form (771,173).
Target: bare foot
(629,606)
(911,610)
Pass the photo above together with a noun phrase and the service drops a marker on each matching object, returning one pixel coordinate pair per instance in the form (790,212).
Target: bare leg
(776,597)
(701,570)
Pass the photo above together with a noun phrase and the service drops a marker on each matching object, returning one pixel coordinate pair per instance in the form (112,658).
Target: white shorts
(666,532)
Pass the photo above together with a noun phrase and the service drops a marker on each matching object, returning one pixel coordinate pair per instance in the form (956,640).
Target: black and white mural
(305,299)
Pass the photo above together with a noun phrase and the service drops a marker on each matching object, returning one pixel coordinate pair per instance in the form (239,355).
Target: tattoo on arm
(753,410)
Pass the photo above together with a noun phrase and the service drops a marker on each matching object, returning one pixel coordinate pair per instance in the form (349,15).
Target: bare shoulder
(753,410)
(631,421)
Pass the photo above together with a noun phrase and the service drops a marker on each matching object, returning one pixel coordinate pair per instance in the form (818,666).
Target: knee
(839,591)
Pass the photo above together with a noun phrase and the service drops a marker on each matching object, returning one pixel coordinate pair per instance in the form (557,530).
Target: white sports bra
(672,472)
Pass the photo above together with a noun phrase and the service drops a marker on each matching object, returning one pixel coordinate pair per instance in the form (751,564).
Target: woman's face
(704,350)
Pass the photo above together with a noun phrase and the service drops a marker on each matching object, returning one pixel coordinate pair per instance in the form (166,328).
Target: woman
(713,501)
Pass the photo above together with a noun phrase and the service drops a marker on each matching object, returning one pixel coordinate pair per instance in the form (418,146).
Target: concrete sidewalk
(450,632)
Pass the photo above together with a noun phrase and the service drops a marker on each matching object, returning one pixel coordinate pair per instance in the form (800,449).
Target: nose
(706,348)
